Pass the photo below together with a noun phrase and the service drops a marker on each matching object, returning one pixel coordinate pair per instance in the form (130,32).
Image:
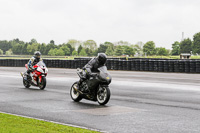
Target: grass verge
(16,124)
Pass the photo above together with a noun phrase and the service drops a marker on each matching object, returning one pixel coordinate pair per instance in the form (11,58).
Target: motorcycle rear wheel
(103,95)
(75,95)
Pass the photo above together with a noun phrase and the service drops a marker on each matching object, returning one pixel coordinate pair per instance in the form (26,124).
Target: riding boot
(28,76)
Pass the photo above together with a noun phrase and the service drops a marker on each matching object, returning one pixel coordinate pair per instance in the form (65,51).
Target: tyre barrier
(136,64)
(176,66)
(160,66)
(181,66)
(171,65)
(166,66)
(197,66)
(155,66)
(151,65)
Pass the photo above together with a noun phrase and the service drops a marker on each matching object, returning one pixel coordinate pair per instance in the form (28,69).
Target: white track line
(71,125)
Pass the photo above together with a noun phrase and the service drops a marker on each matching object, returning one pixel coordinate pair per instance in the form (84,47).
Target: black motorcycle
(95,88)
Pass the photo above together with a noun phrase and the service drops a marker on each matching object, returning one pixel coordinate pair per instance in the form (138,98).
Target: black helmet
(102,58)
(37,54)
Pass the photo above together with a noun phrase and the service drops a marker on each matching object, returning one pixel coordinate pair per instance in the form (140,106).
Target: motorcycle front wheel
(103,95)
(26,83)
(75,95)
(43,83)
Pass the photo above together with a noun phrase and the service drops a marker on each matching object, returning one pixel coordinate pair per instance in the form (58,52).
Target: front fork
(102,86)
(40,77)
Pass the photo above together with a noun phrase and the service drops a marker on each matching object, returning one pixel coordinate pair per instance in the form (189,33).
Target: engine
(84,86)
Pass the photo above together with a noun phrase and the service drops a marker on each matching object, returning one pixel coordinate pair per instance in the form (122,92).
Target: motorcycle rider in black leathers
(34,60)
(92,66)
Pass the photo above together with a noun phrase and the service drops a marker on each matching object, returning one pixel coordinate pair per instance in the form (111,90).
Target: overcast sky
(161,21)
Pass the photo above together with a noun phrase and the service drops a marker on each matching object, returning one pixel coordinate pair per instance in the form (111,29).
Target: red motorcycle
(37,77)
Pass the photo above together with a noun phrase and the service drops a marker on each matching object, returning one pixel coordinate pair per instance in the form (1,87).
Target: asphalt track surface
(143,102)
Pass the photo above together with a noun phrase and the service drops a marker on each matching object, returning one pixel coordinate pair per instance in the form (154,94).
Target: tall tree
(110,51)
(17,49)
(91,44)
(102,48)
(196,43)
(24,49)
(111,48)
(149,48)
(138,47)
(52,52)
(176,48)
(128,50)
(109,44)
(52,42)
(89,52)
(74,53)
(60,52)
(33,41)
(49,47)
(32,48)
(16,40)
(119,50)
(95,52)
(66,50)
(74,43)
(5,45)
(42,48)
(186,46)
(161,51)
(83,53)
(71,48)
(79,49)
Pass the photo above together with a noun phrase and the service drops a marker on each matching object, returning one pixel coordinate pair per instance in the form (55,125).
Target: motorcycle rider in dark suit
(92,66)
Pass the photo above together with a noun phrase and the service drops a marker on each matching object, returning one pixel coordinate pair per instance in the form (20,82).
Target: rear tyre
(43,83)
(26,83)
(75,95)
(103,95)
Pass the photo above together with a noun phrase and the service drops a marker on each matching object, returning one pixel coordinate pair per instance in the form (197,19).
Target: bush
(74,53)
(1,52)
(9,52)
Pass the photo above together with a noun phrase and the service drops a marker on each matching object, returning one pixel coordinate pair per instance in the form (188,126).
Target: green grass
(16,124)
(163,57)
(195,57)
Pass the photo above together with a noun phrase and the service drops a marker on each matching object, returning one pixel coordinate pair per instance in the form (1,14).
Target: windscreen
(41,63)
(104,75)
(103,69)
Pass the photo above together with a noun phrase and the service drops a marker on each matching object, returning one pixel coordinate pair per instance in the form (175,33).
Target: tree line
(90,48)
(71,48)
(187,45)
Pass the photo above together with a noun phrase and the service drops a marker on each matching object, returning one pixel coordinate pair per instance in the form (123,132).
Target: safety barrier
(132,64)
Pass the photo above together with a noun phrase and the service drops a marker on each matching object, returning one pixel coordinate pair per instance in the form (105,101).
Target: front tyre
(43,83)
(26,83)
(75,95)
(103,95)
